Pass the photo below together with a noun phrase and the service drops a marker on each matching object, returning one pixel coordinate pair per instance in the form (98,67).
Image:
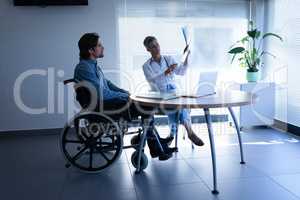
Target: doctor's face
(154,48)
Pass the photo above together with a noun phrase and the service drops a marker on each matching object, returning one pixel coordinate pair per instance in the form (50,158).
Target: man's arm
(84,73)
(115,88)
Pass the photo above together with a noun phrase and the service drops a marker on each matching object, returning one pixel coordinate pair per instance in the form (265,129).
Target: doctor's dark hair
(148,40)
(87,42)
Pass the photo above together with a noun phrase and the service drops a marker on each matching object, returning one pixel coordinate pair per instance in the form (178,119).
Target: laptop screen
(207,83)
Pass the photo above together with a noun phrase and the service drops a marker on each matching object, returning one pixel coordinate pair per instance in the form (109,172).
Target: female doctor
(160,73)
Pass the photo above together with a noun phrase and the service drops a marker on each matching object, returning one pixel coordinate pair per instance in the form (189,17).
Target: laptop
(206,85)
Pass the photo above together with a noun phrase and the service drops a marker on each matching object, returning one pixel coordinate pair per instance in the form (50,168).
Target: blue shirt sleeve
(115,88)
(84,72)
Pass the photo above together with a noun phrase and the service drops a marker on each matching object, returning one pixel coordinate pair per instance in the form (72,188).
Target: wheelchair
(92,141)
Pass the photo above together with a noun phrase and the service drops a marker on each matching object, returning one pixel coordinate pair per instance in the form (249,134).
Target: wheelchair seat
(84,98)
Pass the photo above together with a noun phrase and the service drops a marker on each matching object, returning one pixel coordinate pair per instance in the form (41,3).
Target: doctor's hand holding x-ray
(186,54)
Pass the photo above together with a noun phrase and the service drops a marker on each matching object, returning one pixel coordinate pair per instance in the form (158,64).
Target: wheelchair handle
(72,80)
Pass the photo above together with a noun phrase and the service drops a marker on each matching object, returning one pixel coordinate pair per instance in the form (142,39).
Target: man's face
(154,48)
(98,51)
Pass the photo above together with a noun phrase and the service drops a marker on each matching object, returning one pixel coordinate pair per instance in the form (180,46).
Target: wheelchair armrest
(72,80)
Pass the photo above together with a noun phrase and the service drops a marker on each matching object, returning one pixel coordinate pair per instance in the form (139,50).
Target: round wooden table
(222,98)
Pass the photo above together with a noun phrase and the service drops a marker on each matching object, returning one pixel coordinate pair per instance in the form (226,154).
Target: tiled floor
(32,167)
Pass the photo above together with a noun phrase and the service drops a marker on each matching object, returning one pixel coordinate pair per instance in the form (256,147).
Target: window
(214,27)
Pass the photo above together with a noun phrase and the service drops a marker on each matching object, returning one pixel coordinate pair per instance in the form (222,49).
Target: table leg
(238,133)
(212,148)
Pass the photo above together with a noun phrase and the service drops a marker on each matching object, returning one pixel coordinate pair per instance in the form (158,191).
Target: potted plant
(249,51)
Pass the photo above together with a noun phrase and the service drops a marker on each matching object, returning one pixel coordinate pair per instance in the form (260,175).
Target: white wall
(283,17)
(42,38)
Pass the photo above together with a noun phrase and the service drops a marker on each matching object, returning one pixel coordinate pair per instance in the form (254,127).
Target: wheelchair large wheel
(91,142)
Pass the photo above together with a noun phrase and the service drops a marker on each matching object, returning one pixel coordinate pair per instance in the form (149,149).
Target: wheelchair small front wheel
(144,160)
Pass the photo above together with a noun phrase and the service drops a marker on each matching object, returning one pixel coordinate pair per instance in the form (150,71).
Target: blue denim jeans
(184,117)
(184,114)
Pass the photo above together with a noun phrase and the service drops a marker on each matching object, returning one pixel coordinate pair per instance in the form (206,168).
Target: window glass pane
(214,26)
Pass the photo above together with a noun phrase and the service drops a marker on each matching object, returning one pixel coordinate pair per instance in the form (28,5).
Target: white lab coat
(155,73)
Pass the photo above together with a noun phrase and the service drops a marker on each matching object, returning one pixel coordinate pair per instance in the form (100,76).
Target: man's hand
(170,69)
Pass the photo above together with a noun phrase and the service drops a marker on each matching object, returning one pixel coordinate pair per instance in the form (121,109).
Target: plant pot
(253,76)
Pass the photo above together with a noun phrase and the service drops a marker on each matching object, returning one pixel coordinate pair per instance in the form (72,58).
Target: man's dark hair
(148,41)
(87,42)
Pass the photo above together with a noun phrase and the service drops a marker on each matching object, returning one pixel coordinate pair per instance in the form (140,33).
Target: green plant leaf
(254,53)
(247,60)
(237,50)
(272,34)
(257,61)
(252,33)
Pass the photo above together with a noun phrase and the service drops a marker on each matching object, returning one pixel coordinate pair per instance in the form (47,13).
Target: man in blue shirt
(87,70)
(111,100)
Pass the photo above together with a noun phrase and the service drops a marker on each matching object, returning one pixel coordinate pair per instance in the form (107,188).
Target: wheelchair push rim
(91,142)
